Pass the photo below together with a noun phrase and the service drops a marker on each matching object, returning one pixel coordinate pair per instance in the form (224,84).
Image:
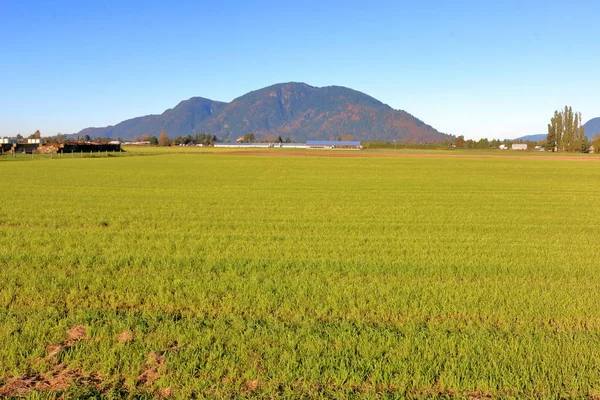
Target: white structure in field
(6,140)
(502,147)
(34,141)
(262,145)
(519,146)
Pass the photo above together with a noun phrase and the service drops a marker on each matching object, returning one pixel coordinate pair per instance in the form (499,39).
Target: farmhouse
(519,146)
(333,144)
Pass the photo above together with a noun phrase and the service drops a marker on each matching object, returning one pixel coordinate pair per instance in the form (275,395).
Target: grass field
(206,275)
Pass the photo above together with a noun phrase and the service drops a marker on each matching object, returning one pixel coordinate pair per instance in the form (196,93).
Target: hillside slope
(294,110)
(592,127)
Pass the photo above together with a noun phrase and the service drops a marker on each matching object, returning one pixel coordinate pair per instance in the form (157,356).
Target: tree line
(566,132)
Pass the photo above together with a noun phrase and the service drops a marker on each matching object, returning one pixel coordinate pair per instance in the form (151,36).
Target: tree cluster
(566,133)
(596,144)
(482,143)
(248,138)
(205,139)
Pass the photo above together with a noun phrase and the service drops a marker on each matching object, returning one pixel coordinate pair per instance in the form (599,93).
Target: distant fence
(89,148)
(73,151)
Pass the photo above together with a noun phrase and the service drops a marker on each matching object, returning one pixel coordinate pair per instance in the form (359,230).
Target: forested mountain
(295,110)
(592,127)
(533,138)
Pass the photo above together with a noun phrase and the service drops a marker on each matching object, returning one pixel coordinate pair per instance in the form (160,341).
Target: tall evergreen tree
(565,131)
(552,139)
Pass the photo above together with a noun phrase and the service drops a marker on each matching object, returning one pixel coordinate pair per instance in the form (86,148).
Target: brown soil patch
(252,385)
(53,350)
(76,333)
(478,395)
(153,363)
(125,336)
(363,154)
(59,378)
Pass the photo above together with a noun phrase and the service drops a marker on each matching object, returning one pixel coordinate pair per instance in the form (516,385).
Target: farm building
(6,140)
(142,143)
(519,146)
(334,144)
(262,145)
(290,145)
(242,145)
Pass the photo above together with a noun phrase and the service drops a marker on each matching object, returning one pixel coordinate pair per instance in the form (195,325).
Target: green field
(211,275)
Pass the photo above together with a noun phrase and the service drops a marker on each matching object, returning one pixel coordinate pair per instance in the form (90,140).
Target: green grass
(304,276)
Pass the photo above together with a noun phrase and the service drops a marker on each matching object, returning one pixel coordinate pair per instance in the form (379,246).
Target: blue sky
(478,68)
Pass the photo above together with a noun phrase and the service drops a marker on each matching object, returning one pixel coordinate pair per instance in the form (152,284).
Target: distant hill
(532,138)
(592,127)
(294,110)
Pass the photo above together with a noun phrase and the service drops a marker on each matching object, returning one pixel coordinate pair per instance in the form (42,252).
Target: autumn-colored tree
(37,135)
(163,139)
(596,144)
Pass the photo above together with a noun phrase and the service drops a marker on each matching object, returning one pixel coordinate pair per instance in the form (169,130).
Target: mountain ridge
(295,110)
(532,138)
(592,127)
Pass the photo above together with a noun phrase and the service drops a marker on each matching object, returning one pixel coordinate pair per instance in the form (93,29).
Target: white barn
(519,146)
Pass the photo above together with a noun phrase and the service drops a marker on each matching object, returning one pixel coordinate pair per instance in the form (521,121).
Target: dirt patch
(252,385)
(154,363)
(165,392)
(59,378)
(478,395)
(76,333)
(52,351)
(125,336)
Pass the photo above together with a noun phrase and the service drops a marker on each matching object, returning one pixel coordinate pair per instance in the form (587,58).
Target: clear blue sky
(478,68)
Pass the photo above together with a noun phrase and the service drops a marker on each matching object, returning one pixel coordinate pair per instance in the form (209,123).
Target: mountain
(532,138)
(592,128)
(180,120)
(294,110)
